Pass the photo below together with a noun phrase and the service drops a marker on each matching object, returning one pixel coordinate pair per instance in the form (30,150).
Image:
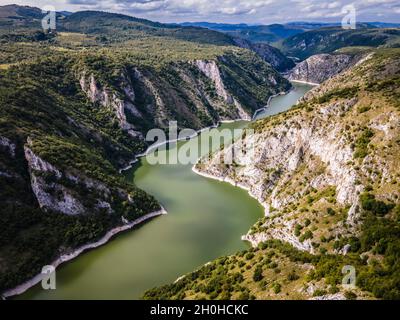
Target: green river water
(205,220)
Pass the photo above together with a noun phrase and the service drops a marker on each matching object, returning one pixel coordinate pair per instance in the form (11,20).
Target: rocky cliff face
(306,161)
(211,70)
(106,98)
(313,146)
(55,190)
(321,67)
(196,93)
(327,175)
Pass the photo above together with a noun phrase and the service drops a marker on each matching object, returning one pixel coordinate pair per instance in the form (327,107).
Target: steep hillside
(15,17)
(327,40)
(321,67)
(113,27)
(270,54)
(22,24)
(72,117)
(110,27)
(327,174)
(19,15)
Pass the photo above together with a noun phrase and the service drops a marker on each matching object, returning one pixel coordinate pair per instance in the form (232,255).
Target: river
(205,220)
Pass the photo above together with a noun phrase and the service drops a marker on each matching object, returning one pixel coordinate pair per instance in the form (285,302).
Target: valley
(329,203)
(319,195)
(196,207)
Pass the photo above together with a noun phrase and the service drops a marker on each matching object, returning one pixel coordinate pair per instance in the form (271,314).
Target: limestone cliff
(307,161)
(196,93)
(321,67)
(327,175)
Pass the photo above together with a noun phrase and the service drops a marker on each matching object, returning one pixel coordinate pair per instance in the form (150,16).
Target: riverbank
(269,102)
(235,184)
(154,147)
(77,252)
(247,188)
(306,82)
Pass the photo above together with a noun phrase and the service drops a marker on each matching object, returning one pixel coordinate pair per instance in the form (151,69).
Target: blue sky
(232,11)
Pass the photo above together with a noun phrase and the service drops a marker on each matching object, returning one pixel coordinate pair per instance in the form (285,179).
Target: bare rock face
(291,146)
(53,194)
(321,67)
(300,164)
(8,145)
(332,297)
(106,98)
(50,195)
(211,70)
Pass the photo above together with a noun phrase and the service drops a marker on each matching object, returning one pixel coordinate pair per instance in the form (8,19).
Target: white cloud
(233,11)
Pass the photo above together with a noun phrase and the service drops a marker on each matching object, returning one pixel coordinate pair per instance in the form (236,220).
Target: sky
(232,11)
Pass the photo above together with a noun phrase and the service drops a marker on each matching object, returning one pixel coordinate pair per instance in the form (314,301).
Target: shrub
(319,293)
(258,274)
(369,203)
(330,211)
(306,236)
(349,295)
(277,288)
(362,143)
(292,276)
(297,230)
(249,256)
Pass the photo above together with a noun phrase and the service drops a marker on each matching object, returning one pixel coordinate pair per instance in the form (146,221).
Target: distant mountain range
(277,32)
(330,39)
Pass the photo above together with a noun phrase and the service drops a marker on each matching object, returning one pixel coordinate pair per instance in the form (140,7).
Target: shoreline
(154,147)
(236,185)
(306,82)
(269,101)
(233,183)
(20,289)
(239,185)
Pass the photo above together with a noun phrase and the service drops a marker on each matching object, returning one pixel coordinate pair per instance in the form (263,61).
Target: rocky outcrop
(106,98)
(195,93)
(211,70)
(276,159)
(321,67)
(50,195)
(56,190)
(301,164)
